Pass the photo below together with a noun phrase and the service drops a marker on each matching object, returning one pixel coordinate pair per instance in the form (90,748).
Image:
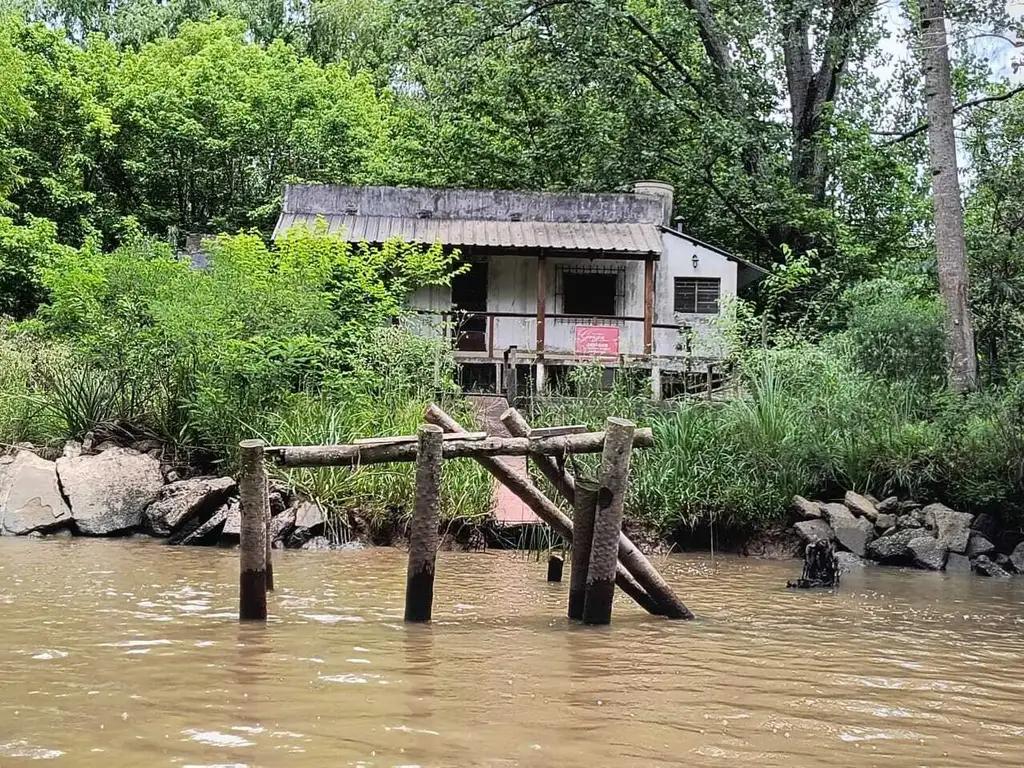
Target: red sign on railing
(597,340)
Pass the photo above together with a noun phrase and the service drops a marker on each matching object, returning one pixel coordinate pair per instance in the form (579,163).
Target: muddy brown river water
(121,654)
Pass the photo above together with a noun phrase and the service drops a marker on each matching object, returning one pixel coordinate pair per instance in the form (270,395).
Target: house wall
(512,287)
(677,261)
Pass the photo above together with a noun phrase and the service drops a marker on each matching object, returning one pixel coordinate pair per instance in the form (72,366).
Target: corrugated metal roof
(632,238)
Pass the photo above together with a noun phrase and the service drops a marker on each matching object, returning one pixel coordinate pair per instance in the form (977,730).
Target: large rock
(986,525)
(1004,562)
(893,547)
(955,562)
(885,521)
(110,491)
(811,531)
(232,532)
(910,520)
(854,533)
(282,525)
(927,553)
(1017,558)
(30,498)
(310,516)
(979,545)
(309,523)
(952,528)
(186,500)
(775,544)
(889,506)
(209,532)
(806,510)
(983,566)
(860,506)
(849,561)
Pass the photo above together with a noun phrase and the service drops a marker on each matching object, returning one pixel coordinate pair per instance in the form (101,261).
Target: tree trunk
(962,363)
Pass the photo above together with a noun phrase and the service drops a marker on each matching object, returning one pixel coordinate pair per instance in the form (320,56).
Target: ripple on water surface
(121,654)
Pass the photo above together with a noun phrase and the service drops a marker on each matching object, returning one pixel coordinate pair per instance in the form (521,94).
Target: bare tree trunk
(962,363)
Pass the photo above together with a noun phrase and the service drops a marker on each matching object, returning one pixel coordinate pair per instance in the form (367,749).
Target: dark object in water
(821,567)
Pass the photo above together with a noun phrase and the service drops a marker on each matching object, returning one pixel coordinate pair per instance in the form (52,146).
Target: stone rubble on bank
(903,533)
(110,490)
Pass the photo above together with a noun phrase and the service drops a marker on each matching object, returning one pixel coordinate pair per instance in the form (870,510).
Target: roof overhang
(748,272)
(590,239)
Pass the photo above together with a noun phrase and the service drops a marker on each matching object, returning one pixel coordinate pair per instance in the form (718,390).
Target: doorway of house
(469,297)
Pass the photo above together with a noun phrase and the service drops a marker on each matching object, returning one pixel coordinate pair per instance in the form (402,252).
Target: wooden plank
(573,429)
(402,439)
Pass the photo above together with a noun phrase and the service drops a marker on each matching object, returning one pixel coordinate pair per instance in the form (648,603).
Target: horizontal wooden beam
(355,455)
(575,429)
(401,439)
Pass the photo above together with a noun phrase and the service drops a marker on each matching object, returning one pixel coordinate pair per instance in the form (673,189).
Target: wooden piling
(555,565)
(252,491)
(635,562)
(604,551)
(542,506)
(511,375)
(583,525)
(419,584)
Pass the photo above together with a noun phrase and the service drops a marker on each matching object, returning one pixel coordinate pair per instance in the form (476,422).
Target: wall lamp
(696,260)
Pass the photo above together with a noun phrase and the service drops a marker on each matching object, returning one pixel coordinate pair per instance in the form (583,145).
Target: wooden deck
(508,508)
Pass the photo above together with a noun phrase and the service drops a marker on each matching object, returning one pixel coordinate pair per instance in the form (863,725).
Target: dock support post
(604,552)
(635,562)
(252,491)
(511,375)
(584,507)
(419,583)
(555,565)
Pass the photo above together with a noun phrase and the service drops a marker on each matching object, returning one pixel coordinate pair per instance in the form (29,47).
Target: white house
(555,279)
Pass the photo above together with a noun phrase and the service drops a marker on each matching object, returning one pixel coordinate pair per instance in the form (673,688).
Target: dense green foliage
(790,130)
(293,342)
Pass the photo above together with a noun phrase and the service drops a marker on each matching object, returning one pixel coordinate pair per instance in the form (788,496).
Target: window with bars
(697,295)
(592,291)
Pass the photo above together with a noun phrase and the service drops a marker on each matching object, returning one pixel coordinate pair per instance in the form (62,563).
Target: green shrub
(896,333)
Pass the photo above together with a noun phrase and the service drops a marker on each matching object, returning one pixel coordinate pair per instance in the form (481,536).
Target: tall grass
(384,393)
(810,422)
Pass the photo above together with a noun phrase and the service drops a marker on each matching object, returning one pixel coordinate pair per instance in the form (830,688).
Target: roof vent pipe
(661,190)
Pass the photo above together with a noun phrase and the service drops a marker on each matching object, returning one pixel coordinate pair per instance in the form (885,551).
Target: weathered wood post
(555,566)
(511,375)
(419,583)
(252,492)
(710,381)
(604,552)
(583,536)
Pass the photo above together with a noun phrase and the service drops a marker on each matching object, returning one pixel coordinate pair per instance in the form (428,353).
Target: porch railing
(475,331)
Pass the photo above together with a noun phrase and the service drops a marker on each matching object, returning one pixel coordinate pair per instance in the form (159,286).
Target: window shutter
(697,295)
